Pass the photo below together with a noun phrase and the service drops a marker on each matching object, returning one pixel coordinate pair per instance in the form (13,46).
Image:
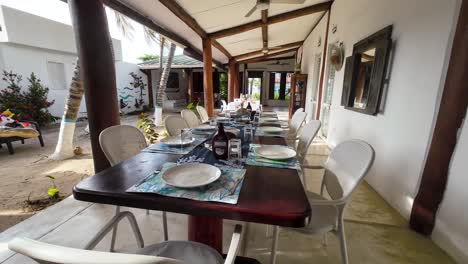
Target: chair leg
(22,141)
(110,225)
(10,148)
(245,239)
(166,234)
(341,235)
(114,231)
(325,239)
(274,245)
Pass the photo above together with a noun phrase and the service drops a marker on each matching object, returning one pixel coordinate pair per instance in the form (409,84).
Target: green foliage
(148,57)
(193,106)
(31,104)
(256,96)
(148,127)
(53,192)
(223,86)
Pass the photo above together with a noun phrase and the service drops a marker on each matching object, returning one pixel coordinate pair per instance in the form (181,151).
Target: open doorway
(327,99)
(254,85)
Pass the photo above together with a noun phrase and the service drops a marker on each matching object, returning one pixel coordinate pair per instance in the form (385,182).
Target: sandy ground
(23,175)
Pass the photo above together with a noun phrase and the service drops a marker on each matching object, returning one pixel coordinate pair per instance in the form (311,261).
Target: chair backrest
(121,142)
(296,122)
(346,167)
(203,114)
(174,125)
(190,118)
(52,254)
(309,131)
(299,110)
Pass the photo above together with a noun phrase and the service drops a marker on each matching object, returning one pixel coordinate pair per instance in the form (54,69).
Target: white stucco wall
(24,60)
(126,91)
(310,50)
(401,133)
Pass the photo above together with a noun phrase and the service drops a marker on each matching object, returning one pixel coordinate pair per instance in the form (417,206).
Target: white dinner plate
(222,118)
(204,127)
(268,129)
(177,141)
(191,175)
(275,152)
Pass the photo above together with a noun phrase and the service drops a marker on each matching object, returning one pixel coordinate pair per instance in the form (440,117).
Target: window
(57,80)
(173,80)
(280,85)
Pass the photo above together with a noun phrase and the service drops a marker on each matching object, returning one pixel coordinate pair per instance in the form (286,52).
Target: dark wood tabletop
(268,195)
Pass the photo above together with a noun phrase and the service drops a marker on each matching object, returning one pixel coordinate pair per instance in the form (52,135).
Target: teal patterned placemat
(256,160)
(225,190)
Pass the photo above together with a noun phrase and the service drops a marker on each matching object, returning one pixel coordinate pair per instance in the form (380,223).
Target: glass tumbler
(235,150)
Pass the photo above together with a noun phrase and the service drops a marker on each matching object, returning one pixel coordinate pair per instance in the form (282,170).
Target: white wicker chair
(295,125)
(119,143)
(203,114)
(169,252)
(174,125)
(190,118)
(345,168)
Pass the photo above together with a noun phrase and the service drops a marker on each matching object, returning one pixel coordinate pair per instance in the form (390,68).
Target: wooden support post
(97,70)
(236,81)
(232,80)
(208,76)
(452,111)
(190,94)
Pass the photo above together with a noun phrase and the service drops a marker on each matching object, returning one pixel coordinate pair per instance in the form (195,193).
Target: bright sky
(58,11)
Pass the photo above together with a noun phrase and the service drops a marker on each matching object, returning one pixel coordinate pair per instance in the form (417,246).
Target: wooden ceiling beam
(265,28)
(272,20)
(260,52)
(267,56)
(183,15)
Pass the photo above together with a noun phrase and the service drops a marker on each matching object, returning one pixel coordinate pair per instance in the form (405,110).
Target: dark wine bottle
(220,143)
(249,107)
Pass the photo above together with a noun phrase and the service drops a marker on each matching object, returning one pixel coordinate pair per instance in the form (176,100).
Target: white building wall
(24,60)
(401,133)
(127,92)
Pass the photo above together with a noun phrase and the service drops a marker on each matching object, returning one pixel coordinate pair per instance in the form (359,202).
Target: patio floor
(376,233)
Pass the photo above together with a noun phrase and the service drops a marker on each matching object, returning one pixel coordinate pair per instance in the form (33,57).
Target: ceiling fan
(265,4)
(279,63)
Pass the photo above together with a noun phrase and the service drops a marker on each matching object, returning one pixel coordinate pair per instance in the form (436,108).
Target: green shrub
(31,104)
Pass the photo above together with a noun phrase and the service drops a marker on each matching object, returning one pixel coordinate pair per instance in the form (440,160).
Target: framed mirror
(365,72)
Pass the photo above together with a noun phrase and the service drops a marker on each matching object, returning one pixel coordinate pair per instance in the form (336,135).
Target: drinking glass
(248,133)
(185,135)
(213,122)
(235,150)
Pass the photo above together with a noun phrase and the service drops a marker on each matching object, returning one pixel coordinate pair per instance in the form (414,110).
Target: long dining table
(272,196)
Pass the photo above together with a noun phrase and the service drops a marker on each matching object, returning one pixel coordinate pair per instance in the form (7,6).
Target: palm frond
(124,25)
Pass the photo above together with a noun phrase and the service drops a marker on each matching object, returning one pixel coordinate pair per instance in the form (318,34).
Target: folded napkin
(256,160)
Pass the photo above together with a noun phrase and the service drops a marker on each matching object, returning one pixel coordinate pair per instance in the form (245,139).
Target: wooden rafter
(270,55)
(147,22)
(260,52)
(265,28)
(192,23)
(271,20)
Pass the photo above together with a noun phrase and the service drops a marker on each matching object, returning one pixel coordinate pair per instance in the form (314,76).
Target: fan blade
(251,11)
(287,1)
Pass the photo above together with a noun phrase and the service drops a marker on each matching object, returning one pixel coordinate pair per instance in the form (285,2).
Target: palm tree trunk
(162,85)
(64,148)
